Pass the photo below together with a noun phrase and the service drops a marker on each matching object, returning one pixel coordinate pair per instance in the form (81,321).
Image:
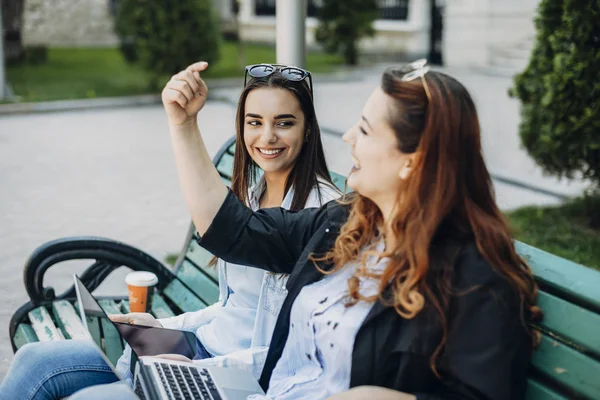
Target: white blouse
(317,357)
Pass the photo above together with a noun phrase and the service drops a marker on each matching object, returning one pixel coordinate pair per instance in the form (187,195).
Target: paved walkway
(111,173)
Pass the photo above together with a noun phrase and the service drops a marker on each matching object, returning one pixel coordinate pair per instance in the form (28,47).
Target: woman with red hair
(410,283)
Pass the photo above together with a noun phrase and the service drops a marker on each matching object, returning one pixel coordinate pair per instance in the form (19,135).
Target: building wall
(68,23)
(489,33)
(400,38)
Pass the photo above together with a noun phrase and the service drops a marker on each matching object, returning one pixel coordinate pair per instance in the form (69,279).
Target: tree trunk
(12,21)
(351,53)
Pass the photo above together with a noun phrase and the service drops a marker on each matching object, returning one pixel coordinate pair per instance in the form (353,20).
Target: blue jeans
(57,369)
(112,391)
(53,370)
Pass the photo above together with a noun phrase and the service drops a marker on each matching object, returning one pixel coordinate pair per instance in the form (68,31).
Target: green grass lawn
(76,73)
(558,230)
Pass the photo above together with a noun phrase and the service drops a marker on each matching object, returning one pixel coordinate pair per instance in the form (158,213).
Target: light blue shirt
(317,357)
(238,329)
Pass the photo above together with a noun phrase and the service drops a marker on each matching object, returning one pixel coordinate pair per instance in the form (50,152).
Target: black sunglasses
(290,73)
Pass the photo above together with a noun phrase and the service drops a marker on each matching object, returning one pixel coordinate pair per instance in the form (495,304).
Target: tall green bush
(342,23)
(560,92)
(166,36)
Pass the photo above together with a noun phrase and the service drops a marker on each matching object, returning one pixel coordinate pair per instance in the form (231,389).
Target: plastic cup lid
(141,278)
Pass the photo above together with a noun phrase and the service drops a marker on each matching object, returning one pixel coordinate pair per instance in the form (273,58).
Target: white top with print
(317,357)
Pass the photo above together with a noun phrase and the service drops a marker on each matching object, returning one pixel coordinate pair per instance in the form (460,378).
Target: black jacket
(487,351)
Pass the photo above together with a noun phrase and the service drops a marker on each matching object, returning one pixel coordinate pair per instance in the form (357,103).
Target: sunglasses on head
(290,73)
(414,70)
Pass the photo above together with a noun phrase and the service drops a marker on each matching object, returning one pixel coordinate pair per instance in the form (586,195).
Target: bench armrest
(107,255)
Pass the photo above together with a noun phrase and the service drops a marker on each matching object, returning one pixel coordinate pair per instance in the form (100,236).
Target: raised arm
(269,239)
(183,97)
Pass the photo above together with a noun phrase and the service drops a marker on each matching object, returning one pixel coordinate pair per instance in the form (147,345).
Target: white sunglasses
(414,70)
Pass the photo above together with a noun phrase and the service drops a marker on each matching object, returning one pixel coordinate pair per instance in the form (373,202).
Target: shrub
(560,92)
(342,23)
(36,55)
(166,36)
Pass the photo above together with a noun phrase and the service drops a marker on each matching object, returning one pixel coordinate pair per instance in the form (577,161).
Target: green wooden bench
(565,366)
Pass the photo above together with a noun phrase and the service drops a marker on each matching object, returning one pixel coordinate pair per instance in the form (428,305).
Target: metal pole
(3,91)
(290,32)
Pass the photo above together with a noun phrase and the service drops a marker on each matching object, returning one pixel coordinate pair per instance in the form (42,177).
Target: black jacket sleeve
(488,348)
(272,239)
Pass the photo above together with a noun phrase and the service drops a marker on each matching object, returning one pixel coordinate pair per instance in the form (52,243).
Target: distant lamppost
(3,91)
(290,28)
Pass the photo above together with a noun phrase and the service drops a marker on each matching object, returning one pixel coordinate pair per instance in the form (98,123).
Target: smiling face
(379,166)
(274,129)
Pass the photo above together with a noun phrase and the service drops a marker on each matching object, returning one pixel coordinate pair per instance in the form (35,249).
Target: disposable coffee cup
(140,285)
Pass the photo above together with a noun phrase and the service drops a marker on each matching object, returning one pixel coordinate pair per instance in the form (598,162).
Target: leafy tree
(342,23)
(166,36)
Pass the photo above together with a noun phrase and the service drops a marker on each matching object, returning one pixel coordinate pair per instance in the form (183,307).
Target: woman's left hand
(174,357)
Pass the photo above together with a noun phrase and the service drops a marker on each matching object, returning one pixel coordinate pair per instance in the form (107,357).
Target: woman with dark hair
(412,283)
(277,133)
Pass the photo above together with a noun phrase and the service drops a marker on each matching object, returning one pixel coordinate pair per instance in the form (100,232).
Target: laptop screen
(143,340)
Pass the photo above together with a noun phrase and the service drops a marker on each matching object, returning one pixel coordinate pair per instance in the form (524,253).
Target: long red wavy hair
(450,189)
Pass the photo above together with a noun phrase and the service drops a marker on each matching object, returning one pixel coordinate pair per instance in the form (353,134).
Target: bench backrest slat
(575,325)
(68,320)
(160,308)
(338,180)
(577,373)
(200,283)
(112,344)
(93,325)
(563,278)
(41,322)
(539,391)
(24,334)
(183,297)
(225,165)
(201,258)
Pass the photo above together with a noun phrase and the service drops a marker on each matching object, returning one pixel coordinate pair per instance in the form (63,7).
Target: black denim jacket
(487,351)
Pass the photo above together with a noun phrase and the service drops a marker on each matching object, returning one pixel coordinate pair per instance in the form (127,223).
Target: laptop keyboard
(182,382)
(139,391)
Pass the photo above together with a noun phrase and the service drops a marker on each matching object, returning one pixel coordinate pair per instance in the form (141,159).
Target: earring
(405,171)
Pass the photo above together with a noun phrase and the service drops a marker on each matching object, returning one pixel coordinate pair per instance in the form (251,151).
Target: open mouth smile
(270,153)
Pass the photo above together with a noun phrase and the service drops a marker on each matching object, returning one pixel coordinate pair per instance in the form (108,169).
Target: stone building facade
(493,34)
(490,34)
(65,23)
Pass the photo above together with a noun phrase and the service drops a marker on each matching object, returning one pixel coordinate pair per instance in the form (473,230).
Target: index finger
(198,67)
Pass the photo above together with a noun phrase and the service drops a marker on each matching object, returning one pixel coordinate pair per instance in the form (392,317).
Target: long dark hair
(310,164)
(448,195)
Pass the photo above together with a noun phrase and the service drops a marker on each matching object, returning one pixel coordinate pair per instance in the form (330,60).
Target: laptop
(160,379)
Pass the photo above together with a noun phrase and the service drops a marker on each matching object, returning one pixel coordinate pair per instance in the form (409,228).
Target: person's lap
(113,391)
(52,370)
